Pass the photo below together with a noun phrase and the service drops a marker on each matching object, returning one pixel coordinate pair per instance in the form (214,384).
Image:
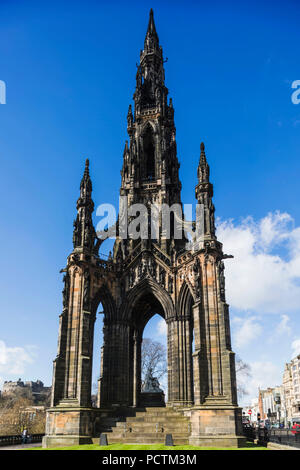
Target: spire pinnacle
(84,232)
(204,194)
(151,39)
(151,24)
(202,154)
(203,167)
(86,184)
(86,170)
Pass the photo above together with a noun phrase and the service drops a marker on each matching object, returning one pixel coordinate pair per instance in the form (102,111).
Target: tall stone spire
(204,194)
(150,90)
(84,233)
(151,40)
(150,172)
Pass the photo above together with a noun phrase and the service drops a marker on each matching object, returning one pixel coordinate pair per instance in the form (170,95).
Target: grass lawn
(249,446)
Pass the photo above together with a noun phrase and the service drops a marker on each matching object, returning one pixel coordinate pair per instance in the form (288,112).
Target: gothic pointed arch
(156,298)
(148,152)
(104,296)
(185,301)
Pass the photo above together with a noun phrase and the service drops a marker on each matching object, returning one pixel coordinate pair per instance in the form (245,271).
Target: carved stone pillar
(116,380)
(180,362)
(100,380)
(137,341)
(215,415)
(69,421)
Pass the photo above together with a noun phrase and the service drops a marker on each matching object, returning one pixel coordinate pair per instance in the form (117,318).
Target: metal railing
(284,436)
(17,439)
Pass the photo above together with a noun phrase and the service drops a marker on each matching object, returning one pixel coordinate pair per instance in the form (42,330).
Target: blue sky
(69,69)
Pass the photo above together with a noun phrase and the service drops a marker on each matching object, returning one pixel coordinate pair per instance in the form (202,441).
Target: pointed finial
(86,180)
(86,170)
(151,25)
(151,39)
(202,153)
(151,18)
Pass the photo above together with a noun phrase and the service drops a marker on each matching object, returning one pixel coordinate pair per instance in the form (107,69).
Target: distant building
(291,391)
(29,389)
(254,412)
(269,403)
(282,404)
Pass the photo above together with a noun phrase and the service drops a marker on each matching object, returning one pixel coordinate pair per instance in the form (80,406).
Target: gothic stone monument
(143,278)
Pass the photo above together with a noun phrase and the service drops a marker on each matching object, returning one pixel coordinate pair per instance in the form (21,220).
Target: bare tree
(154,356)
(243,372)
(18,413)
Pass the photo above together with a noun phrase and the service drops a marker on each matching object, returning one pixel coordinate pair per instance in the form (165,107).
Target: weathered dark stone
(152,399)
(144,277)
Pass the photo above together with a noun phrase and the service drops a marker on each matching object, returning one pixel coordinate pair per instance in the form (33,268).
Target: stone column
(116,380)
(179,362)
(99,399)
(215,416)
(69,420)
(58,377)
(200,369)
(136,367)
(73,365)
(211,314)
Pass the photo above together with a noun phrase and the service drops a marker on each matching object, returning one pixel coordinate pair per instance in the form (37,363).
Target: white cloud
(264,275)
(14,360)
(264,374)
(283,328)
(162,328)
(247,330)
(295,347)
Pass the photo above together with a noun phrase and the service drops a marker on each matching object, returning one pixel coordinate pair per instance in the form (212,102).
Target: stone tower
(157,273)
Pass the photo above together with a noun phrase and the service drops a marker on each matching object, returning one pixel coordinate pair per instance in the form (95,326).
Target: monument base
(65,441)
(218,441)
(67,426)
(148,399)
(217,426)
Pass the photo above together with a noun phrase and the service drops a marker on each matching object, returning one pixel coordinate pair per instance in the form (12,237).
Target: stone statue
(151,384)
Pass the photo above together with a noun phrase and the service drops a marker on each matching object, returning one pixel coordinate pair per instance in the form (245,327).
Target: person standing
(24,436)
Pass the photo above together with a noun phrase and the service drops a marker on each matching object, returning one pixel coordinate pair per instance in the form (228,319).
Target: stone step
(148,426)
(159,413)
(149,420)
(144,440)
(152,429)
(157,419)
(147,434)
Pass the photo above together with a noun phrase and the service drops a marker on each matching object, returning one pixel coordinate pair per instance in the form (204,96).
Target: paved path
(21,446)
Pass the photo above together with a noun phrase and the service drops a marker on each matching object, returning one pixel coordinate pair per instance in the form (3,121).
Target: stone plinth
(68,426)
(152,399)
(216,426)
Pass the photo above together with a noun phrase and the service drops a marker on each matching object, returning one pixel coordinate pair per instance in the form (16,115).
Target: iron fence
(17,439)
(284,436)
